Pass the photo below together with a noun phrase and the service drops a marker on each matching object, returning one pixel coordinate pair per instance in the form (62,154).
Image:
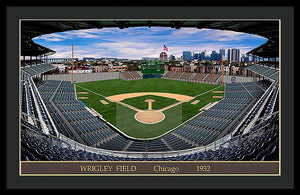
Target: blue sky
(138,42)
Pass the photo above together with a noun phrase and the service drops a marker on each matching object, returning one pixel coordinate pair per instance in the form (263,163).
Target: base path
(121,97)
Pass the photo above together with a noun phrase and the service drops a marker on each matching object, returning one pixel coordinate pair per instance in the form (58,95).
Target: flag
(165,48)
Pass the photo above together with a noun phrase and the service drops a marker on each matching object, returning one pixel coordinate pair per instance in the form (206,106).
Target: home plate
(195,102)
(103,102)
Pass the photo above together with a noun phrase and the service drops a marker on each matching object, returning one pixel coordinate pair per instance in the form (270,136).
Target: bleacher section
(265,71)
(194,77)
(33,107)
(199,77)
(135,75)
(169,74)
(176,75)
(72,119)
(37,69)
(185,76)
(130,75)
(212,78)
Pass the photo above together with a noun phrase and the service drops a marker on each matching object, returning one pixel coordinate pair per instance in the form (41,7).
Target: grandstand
(193,77)
(55,126)
(130,75)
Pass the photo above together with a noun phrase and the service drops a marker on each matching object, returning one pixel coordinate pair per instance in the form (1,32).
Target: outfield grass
(129,125)
(119,86)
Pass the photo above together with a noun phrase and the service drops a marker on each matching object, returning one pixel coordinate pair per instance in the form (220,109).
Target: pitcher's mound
(149,116)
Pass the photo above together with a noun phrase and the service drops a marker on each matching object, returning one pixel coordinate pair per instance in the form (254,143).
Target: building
(61,60)
(163,56)
(228,54)
(88,59)
(235,70)
(172,58)
(220,55)
(187,56)
(61,67)
(204,55)
(235,55)
(226,70)
(197,56)
(177,68)
(149,58)
(80,69)
(213,56)
(117,68)
(101,68)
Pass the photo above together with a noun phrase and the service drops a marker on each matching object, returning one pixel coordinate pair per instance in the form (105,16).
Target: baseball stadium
(153,114)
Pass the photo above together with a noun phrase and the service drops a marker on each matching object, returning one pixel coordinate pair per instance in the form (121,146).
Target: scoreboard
(153,67)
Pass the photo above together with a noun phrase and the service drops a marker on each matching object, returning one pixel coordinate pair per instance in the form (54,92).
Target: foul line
(207,92)
(91,91)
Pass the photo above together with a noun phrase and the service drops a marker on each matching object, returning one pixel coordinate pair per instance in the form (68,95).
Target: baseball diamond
(165,94)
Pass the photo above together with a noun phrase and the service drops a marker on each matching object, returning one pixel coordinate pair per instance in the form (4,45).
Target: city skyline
(138,42)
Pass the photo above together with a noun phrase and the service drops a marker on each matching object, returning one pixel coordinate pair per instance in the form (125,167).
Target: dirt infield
(178,97)
(103,102)
(149,116)
(82,92)
(195,102)
(150,101)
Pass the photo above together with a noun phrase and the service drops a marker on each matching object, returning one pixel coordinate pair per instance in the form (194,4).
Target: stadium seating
(265,71)
(200,131)
(199,77)
(72,120)
(262,145)
(130,75)
(37,69)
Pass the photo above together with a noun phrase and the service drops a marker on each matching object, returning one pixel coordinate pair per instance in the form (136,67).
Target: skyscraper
(204,55)
(235,55)
(220,55)
(197,56)
(213,55)
(187,55)
(228,55)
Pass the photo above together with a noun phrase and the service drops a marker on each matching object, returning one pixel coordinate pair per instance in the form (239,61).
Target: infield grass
(139,102)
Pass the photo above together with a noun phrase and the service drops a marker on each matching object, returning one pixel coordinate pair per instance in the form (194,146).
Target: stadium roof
(266,28)
(29,48)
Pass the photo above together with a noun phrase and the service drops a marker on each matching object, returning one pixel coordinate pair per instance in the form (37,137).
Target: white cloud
(134,43)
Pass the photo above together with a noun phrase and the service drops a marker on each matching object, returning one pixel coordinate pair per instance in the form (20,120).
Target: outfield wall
(84,77)
(238,79)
